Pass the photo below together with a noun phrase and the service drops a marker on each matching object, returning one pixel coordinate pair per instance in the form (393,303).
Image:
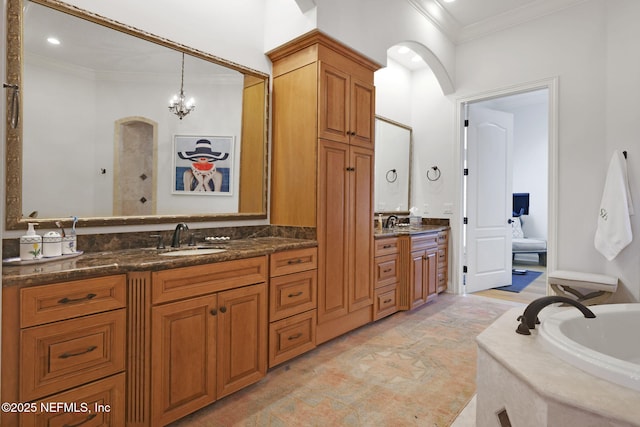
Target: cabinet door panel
(333,231)
(333,104)
(362,114)
(183,358)
(418,291)
(361,248)
(242,335)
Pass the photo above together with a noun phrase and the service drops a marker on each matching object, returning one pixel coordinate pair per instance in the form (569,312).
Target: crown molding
(452,29)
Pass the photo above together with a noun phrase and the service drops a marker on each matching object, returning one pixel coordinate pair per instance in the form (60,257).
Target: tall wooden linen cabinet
(323,166)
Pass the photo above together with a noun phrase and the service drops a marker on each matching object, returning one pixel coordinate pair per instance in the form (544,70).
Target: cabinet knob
(223,309)
(213,312)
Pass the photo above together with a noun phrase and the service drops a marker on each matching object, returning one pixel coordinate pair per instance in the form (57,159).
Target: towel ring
(392,175)
(435,175)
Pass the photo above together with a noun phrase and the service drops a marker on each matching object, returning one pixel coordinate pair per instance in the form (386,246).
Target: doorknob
(509,221)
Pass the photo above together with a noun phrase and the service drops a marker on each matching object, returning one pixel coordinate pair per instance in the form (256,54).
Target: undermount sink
(193,251)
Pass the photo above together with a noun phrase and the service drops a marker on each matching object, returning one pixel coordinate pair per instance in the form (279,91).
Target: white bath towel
(614,225)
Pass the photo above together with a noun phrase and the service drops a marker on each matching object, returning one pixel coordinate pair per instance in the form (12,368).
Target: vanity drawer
(386,270)
(288,262)
(385,301)
(186,282)
(292,294)
(386,246)
(291,337)
(65,354)
(424,241)
(104,400)
(60,301)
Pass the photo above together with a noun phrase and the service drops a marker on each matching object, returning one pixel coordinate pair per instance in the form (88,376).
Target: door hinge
(465,171)
(464,268)
(466,123)
(465,220)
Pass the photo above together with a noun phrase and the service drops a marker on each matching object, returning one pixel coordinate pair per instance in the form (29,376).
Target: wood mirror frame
(252,202)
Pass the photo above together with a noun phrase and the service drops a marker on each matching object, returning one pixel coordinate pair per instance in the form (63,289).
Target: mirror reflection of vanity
(95,137)
(392,167)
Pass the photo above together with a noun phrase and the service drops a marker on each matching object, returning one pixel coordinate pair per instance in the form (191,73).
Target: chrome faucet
(175,241)
(529,318)
(391,221)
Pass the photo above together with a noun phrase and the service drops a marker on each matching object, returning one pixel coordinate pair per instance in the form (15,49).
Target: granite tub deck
(516,374)
(145,259)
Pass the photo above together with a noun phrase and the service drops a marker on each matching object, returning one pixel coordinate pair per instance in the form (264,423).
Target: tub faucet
(529,318)
(391,221)
(175,241)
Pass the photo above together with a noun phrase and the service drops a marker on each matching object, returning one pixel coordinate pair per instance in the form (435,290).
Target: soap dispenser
(30,245)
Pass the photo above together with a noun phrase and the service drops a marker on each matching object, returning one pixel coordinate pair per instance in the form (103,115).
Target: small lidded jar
(51,244)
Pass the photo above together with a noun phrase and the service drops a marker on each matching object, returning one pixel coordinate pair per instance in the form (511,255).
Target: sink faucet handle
(160,244)
(192,239)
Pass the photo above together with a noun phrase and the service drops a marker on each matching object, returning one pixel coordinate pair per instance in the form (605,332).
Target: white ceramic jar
(51,244)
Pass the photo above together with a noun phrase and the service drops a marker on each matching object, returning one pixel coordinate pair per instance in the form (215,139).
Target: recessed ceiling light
(403,49)
(53,40)
(416,58)
(448,1)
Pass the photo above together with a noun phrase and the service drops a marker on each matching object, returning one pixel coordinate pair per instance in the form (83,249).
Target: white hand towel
(614,226)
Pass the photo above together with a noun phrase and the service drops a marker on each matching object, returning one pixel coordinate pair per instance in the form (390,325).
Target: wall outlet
(448,209)
(425,209)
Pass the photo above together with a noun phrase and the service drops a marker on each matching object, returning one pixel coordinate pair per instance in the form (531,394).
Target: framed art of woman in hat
(202,164)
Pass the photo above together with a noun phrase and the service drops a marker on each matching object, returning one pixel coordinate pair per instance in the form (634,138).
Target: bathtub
(607,346)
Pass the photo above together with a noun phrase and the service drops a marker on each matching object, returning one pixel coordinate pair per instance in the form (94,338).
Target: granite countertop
(144,259)
(408,230)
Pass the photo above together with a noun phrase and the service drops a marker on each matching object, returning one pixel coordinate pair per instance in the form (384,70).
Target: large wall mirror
(95,138)
(392,167)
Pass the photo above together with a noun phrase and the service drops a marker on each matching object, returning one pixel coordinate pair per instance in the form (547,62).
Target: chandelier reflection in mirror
(178,104)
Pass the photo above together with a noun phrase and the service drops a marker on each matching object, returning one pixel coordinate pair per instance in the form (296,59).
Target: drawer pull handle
(387,301)
(295,337)
(387,246)
(297,294)
(89,418)
(294,261)
(88,350)
(66,300)
(387,270)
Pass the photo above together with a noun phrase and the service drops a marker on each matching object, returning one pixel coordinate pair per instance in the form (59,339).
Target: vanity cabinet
(386,270)
(322,170)
(422,267)
(423,271)
(208,334)
(292,304)
(66,342)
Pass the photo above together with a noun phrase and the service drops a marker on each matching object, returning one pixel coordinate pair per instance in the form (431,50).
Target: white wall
(530,165)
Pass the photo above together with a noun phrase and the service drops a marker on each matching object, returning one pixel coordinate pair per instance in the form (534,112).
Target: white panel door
(489,198)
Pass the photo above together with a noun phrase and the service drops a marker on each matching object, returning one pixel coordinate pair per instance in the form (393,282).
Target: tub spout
(529,318)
